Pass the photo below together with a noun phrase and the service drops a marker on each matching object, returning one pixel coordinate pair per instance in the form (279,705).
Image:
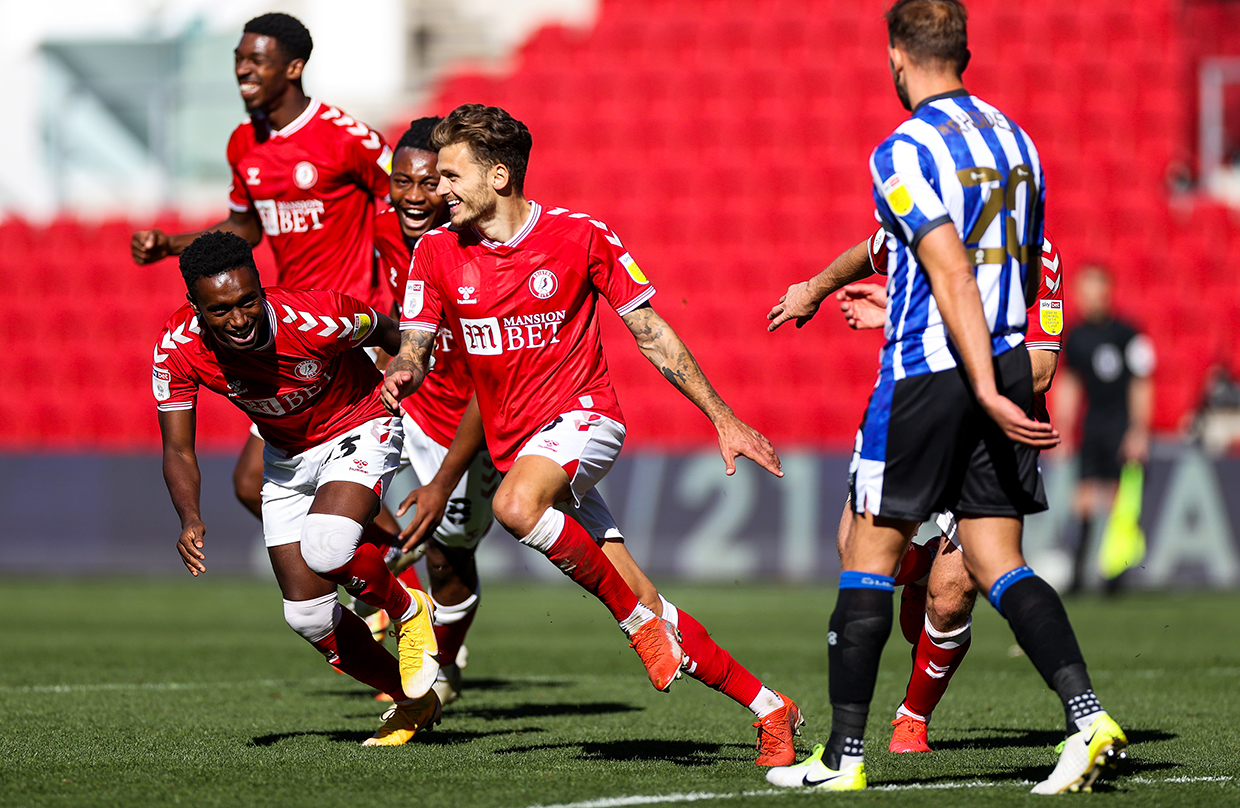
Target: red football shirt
(313,184)
(526,314)
(439,404)
(302,389)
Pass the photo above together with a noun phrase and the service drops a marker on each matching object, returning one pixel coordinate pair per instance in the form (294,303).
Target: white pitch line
(699,796)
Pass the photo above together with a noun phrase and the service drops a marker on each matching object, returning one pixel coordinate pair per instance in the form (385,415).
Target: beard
(902,92)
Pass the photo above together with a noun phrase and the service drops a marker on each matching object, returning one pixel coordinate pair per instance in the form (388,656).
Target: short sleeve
(173,386)
(356,321)
(904,196)
(369,159)
(421,307)
(238,197)
(877,244)
(614,272)
(1045,331)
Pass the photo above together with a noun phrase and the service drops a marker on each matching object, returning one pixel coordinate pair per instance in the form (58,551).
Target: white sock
(766,702)
(415,606)
(850,760)
(902,710)
(640,615)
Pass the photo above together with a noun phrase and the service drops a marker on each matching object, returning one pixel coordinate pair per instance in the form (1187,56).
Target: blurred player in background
(455,479)
(949,425)
(518,286)
(936,605)
(333,449)
(1109,364)
(304,174)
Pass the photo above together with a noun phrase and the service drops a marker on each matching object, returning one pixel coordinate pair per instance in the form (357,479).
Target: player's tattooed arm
(408,368)
(669,354)
(802,300)
(184,482)
(149,246)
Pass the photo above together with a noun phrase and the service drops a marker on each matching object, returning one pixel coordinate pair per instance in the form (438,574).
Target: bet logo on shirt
(543,284)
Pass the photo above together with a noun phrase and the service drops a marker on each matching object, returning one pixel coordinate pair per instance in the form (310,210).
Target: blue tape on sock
(866,580)
(1005,580)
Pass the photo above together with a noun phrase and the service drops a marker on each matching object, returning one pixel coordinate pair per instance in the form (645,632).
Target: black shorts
(1100,453)
(926,446)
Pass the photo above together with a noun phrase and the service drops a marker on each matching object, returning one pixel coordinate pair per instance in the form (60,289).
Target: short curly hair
(212,254)
(294,38)
(418,135)
(493,137)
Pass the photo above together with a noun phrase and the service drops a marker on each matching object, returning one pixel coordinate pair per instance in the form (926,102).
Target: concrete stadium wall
(110,514)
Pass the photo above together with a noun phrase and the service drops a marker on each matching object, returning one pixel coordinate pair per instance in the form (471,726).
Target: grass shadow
(680,753)
(542,710)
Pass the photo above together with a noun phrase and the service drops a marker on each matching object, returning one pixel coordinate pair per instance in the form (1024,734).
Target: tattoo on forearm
(414,356)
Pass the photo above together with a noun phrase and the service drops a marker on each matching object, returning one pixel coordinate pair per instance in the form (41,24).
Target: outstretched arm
(941,254)
(408,368)
(432,499)
(149,246)
(665,350)
(802,300)
(184,484)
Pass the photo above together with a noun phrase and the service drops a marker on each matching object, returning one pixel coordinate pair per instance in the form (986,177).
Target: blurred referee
(959,188)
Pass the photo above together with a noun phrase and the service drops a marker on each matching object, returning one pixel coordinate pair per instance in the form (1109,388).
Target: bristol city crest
(307,369)
(305,175)
(543,284)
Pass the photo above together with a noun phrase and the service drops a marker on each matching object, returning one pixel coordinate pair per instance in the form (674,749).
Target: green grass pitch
(135,693)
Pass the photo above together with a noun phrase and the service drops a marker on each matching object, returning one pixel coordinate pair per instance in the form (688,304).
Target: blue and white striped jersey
(958,160)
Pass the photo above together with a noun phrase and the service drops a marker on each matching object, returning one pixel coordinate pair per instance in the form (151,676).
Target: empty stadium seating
(726,142)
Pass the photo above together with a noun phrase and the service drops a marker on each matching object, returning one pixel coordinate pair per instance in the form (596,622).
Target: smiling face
(230,304)
(413,186)
(467,186)
(264,73)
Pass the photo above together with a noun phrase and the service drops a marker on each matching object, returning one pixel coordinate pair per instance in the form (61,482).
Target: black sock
(1079,563)
(1037,617)
(859,626)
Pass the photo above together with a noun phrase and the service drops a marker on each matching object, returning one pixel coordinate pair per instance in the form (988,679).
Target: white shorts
(368,454)
(585,444)
(468,516)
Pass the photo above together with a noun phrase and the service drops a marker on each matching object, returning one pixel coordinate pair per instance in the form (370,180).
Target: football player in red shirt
(304,174)
(456,479)
(291,360)
(518,286)
(937,602)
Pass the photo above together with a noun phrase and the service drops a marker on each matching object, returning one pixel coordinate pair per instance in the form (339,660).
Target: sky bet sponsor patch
(160,379)
(1050,317)
(898,197)
(362,326)
(631,267)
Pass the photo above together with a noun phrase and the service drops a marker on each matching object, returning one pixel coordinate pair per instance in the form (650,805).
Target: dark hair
(294,38)
(493,136)
(212,254)
(418,135)
(931,32)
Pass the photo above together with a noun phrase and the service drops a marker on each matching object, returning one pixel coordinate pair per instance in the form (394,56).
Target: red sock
(376,535)
(352,649)
(916,562)
(933,668)
(712,665)
(452,636)
(409,577)
(367,578)
(578,557)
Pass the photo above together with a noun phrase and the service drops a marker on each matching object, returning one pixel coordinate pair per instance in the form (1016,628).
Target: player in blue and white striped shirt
(959,188)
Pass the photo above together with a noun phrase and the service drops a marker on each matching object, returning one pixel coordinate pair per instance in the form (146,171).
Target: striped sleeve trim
(1043,346)
(645,295)
(417,325)
(238,208)
(173,406)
